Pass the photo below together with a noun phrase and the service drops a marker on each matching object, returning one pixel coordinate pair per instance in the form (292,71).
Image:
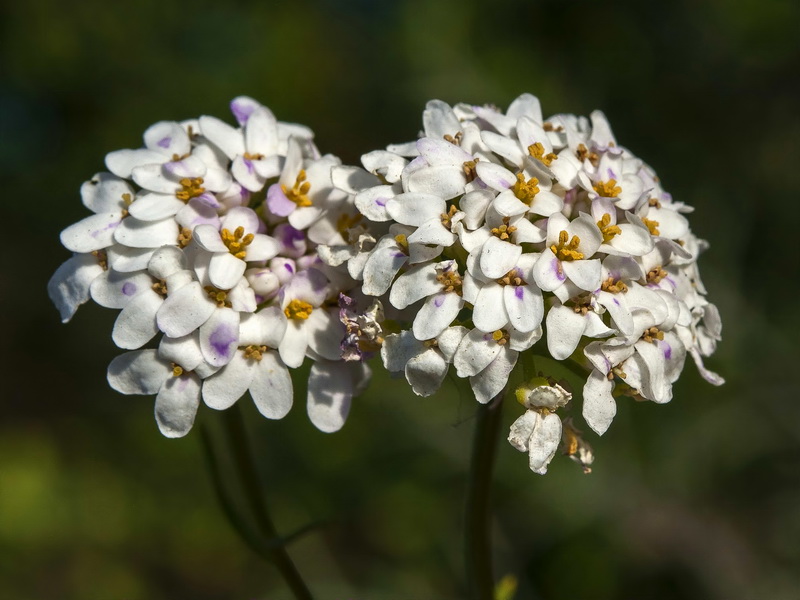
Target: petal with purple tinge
(219,336)
(436,315)
(524,306)
(548,272)
(91,233)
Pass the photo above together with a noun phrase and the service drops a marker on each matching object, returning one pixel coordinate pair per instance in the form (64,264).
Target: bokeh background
(697,499)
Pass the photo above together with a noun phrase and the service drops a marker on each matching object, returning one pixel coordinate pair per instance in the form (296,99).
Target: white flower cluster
(207,237)
(497,229)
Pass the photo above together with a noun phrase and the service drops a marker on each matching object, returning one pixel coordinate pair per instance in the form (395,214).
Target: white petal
(599,406)
(271,387)
(524,306)
(490,382)
(544,442)
(176,405)
(225,137)
(496,177)
(261,132)
(475,352)
(382,265)
(325,333)
(136,324)
(184,351)
(489,313)
(115,290)
(425,372)
(127,260)
(564,330)
(166,261)
(414,285)
(266,327)
(654,382)
(444,181)
(522,429)
(415,209)
(548,272)
(372,202)
(436,315)
(140,372)
(432,232)
(498,257)
(449,340)
(68,288)
(222,390)
(294,344)
(330,390)
(583,273)
(439,120)
(398,349)
(168,138)
(92,233)
(122,162)
(146,234)
(225,270)
(185,310)
(154,207)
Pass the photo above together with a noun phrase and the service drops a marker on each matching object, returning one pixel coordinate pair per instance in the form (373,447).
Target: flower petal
(176,405)
(140,372)
(271,387)
(330,390)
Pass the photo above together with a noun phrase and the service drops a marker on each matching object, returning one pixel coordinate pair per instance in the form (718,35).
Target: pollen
(469,169)
(614,286)
(191,187)
(256,156)
(177,370)
(567,249)
(451,281)
(254,352)
(298,310)
(455,140)
(102,258)
(184,237)
(447,218)
(652,334)
(219,296)
(127,199)
(607,189)
(512,278)
(525,190)
(583,154)
(652,226)
(607,229)
(504,231)
(160,288)
(501,337)
(548,126)
(655,275)
(347,222)
(537,151)
(654,202)
(402,241)
(237,241)
(299,192)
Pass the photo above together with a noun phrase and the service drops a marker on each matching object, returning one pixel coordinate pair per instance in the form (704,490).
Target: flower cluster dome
(498,235)
(206,242)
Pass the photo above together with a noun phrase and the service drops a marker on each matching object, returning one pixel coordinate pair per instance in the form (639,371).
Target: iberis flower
(206,242)
(497,237)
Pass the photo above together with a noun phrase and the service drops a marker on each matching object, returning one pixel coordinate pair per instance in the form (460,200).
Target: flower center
(537,151)
(455,140)
(347,222)
(191,187)
(501,337)
(160,288)
(254,352)
(567,249)
(525,190)
(583,153)
(256,156)
(127,199)
(102,258)
(504,231)
(402,242)
(184,237)
(447,217)
(298,310)
(548,126)
(607,189)
(217,295)
(607,229)
(614,286)
(237,241)
(450,279)
(513,277)
(469,169)
(299,192)
(652,334)
(177,370)
(655,275)
(652,226)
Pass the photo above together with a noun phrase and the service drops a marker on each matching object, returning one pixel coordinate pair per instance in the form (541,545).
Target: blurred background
(697,499)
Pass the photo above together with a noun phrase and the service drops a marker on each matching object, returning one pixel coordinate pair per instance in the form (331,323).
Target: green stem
(247,474)
(478,555)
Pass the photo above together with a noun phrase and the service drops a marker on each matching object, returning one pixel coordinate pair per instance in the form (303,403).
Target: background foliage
(696,499)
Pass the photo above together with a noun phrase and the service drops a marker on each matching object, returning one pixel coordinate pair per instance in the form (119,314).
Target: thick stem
(247,473)
(478,551)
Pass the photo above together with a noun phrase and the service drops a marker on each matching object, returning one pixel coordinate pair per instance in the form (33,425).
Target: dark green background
(697,499)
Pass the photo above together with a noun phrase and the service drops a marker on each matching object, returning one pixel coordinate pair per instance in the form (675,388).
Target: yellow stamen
(184,237)
(237,241)
(525,190)
(584,154)
(102,258)
(451,281)
(347,222)
(402,241)
(248,156)
(614,286)
(298,310)
(191,187)
(654,202)
(160,288)
(254,352)
(653,334)
(607,229)
(469,169)
(177,370)
(652,226)
(505,230)
(537,151)
(567,249)
(455,140)
(607,189)
(548,126)
(655,275)
(501,337)
(447,217)
(299,192)
(217,295)
(511,278)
